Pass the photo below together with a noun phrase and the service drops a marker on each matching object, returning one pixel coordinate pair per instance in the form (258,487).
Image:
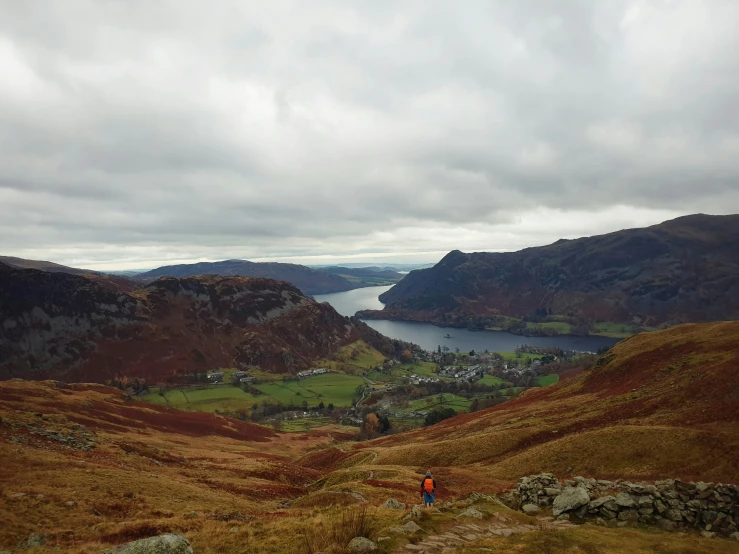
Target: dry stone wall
(671,504)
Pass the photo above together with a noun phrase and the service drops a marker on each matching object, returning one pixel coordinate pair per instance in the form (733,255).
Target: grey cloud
(235,129)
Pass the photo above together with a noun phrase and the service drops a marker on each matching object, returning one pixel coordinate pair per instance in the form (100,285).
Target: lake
(429,336)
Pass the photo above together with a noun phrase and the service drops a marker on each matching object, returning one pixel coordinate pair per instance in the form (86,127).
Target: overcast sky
(137,133)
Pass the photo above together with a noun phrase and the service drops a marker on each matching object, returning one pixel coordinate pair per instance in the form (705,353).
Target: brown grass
(661,406)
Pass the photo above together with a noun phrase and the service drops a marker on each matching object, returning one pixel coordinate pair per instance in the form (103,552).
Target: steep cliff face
(681,270)
(71,327)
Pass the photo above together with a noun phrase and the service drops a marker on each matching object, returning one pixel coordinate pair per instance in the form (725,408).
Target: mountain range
(682,270)
(310,281)
(81,328)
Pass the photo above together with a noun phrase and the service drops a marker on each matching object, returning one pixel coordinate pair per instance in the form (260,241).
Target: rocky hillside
(75,328)
(682,270)
(310,281)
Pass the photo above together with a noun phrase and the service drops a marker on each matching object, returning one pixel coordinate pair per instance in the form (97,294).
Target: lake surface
(429,336)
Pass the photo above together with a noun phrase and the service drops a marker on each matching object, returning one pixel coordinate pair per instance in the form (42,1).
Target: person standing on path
(428,489)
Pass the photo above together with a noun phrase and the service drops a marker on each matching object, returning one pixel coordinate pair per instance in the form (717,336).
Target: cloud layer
(132,133)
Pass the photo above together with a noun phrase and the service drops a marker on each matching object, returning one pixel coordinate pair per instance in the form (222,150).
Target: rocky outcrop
(393,504)
(671,504)
(56,325)
(163,544)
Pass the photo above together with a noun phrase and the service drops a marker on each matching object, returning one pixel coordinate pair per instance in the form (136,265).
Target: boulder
(393,504)
(407,529)
(624,500)
(163,544)
(571,498)
(361,544)
(531,509)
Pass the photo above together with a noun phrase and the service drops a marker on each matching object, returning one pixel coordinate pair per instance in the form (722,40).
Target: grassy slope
(682,413)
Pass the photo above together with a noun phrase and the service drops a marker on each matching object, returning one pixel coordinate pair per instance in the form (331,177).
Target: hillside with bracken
(86,467)
(657,404)
(684,270)
(76,328)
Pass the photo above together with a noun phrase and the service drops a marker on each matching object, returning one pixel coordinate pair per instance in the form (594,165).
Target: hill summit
(678,271)
(75,328)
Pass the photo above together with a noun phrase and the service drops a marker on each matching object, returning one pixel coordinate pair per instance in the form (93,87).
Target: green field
(491,380)
(459,403)
(335,388)
(546,380)
(396,373)
(204,399)
(519,357)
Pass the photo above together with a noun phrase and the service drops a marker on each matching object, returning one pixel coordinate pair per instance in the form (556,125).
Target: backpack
(428,485)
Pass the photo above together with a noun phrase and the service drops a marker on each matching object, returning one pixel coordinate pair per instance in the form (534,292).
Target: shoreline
(375,316)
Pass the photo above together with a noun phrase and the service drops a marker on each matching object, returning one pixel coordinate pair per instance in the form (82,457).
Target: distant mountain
(366,276)
(682,270)
(108,280)
(42,265)
(380,266)
(71,327)
(310,281)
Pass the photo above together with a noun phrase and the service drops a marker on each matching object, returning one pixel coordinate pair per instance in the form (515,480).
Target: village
(406,390)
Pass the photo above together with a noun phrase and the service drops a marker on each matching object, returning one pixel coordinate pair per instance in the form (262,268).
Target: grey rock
(471,512)
(628,515)
(361,544)
(70,504)
(34,540)
(163,544)
(531,509)
(734,536)
(416,511)
(481,497)
(393,504)
(563,517)
(674,515)
(625,500)
(598,502)
(407,529)
(571,498)
(666,524)
(707,534)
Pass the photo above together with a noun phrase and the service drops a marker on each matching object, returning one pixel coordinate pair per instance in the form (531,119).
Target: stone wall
(671,504)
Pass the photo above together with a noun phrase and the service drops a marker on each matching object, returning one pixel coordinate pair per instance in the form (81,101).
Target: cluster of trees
(266,409)
(125,383)
(374,423)
(439,414)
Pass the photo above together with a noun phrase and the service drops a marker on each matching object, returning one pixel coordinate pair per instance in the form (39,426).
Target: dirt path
(448,541)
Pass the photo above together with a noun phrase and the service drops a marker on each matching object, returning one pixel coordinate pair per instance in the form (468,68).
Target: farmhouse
(216,376)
